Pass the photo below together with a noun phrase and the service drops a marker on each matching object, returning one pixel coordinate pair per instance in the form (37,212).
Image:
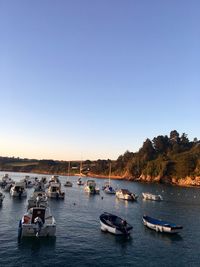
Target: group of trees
(165,156)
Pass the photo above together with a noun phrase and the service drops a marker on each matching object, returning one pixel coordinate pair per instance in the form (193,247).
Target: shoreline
(182,183)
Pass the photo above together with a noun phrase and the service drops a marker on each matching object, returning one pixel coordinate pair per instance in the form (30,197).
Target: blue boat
(161,226)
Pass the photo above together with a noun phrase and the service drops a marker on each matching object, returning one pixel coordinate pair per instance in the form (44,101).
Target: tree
(174,137)
(161,144)
(147,151)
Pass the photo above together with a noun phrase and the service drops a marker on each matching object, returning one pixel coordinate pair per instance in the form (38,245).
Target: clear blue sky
(91,79)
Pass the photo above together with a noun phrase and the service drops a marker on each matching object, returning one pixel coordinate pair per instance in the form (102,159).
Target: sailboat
(79,182)
(108,188)
(68,183)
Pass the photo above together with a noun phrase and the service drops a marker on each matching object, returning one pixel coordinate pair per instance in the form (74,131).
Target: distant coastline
(172,159)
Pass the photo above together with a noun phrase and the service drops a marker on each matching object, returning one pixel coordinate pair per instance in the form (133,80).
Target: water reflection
(36,244)
(168,238)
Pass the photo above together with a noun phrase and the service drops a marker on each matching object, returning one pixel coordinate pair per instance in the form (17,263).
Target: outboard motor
(38,222)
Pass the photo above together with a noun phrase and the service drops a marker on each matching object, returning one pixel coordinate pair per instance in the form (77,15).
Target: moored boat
(126,194)
(29,181)
(91,188)
(18,190)
(108,189)
(6,183)
(39,198)
(5,179)
(149,196)
(79,182)
(160,225)
(38,221)
(68,184)
(114,224)
(54,191)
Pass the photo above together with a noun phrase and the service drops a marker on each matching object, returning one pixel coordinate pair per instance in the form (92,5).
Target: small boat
(91,188)
(149,196)
(79,182)
(114,224)
(105,185)
(126,194)
(38,199)
(4,180)
(161,226)
(6,183)
(1,198)
(8,186)
(68,184)
(37,222)
(29,181)
(54,191)
(54,179)
(18,190)
(108,189)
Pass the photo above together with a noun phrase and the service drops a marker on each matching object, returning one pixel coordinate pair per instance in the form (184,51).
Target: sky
(91,79)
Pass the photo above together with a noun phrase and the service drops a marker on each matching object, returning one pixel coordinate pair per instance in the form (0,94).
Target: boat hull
(91,190)
(148,196)
(161,228)
(29,230)
(112,230)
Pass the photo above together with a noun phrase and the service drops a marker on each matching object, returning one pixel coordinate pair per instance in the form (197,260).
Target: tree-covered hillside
(165,159)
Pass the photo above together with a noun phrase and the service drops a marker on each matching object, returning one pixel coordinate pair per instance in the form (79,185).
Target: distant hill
(170,159)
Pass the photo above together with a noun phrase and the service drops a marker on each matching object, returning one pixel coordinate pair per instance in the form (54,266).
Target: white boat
(29,181)
(38,222)
(79,182)
(8,186)
(4,179)
(126,194)
(108,189)
(161,226)
(1,198)
(68,184)
(54,179)
(114,224)
(39,198)
(91,188)
(149,196)
(18,190)
(6,183)
(54,191)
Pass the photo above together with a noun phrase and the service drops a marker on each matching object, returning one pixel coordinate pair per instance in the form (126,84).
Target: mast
(81,166)
(68,168)
(110,172)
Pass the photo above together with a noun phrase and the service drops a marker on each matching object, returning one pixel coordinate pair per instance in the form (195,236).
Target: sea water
(79,240)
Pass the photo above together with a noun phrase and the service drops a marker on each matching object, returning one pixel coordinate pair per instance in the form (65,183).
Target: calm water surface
(80,242)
